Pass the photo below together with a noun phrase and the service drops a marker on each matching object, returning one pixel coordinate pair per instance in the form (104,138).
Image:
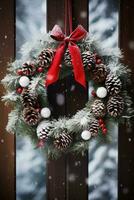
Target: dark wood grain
(126,134)
(7,142)
(69,173)
(56,169)
(56,179)
(77,166)
(77,174)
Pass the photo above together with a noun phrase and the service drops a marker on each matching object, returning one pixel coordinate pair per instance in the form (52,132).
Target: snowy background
(103,20)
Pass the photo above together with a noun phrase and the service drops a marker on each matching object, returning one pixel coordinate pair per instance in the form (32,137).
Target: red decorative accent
(38,109)
(19,90)
(93,93)
(40,144)
(70,43)
(40,69)
(104,131)
(101,121)
(98,61)
(102,126)
(19,72)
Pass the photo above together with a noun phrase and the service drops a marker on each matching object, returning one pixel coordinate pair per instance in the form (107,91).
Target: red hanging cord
(65,17)
(68,16)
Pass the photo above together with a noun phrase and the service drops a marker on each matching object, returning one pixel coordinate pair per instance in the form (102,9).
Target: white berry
(86,135)
(24,81)
(45,112)
(101,92)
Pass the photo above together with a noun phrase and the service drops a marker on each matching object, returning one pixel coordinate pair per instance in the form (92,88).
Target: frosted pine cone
(45,58)
(28,99)
(94,127)
(63,141)
(88,60)
(44,133)
(113,84)
(67,58)
(98,108)
(28,69)
(115,106)
(99,73)
(31,116)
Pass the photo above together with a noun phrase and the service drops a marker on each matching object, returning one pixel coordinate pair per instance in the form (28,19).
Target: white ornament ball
(24,81)
(45,112)
(42,125)
(101,92)
(86,135)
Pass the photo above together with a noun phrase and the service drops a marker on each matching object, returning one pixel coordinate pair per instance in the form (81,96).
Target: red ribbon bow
(70,43)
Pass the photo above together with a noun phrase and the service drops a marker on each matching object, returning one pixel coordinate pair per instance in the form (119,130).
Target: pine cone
(115,106)
(94,127)
(99,73)
(28,69)
(45,58)
(98,108)
(67,58)
(31,116)
(44,133)
(88,60)
(113,84)
(63,141)
(28,99)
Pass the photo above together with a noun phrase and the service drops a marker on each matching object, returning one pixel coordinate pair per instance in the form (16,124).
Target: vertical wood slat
(67,175)
(77,166)
(56,169)
(126,136)
(7,141)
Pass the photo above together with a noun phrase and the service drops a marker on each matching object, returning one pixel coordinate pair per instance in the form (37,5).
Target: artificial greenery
(29,52)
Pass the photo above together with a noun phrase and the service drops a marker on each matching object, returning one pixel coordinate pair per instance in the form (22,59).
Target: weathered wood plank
(126,135)
(63,169)
(7,141)
(56,169)
(76,97)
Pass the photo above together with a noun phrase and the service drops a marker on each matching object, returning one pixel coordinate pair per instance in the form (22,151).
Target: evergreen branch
(13,119)
(10,97)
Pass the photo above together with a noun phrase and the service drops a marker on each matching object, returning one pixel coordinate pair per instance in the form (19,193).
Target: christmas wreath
(43,62)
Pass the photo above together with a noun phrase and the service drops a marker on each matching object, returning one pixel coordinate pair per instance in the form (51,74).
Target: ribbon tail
(53,72)
(76,59)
